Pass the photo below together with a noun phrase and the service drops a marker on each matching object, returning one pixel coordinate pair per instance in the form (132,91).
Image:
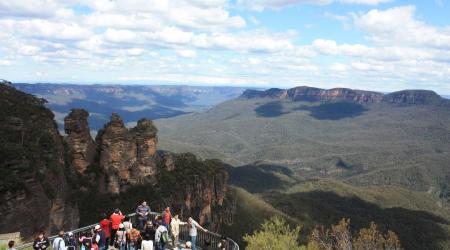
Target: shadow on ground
(334,111)
(415,229)
(258,178)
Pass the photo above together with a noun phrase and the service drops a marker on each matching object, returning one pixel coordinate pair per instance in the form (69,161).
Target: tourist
(134,239)
(149,229)
(143,211)
(86,241)
(121,238)
(166,217)
(223,243)
(161,237)
(41,242)
(193,225)
(11,245)
(175,229)
(116,219)
(104,224)
(100,238)
(58,243)
(71,242)
(147,243)
(127,224)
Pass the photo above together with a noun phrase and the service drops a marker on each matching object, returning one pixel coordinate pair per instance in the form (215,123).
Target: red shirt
(116,219)
(167,219)
(104,224)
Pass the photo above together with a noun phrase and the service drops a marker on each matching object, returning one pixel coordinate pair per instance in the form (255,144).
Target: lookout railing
(202,237)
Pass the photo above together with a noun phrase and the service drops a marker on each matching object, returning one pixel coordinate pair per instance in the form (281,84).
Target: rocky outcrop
(83,148)
(198,189)
(127,157)
(409,97)
(414,97)
(34,192)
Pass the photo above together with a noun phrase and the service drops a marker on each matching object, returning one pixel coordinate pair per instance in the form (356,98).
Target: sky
(382,45)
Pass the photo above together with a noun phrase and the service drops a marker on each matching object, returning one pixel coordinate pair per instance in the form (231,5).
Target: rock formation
(47,186)
(127,157)
(83,148)
(34,192)
(411,97)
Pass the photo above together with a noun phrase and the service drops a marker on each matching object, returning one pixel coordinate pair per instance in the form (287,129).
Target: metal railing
(202,237)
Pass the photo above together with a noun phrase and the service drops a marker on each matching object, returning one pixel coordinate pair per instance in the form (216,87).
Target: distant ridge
(305,93)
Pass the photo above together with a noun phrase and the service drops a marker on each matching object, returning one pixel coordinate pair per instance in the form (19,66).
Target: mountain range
(310,155)
(131,102)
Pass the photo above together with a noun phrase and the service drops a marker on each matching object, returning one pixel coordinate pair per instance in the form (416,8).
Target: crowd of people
(117,231)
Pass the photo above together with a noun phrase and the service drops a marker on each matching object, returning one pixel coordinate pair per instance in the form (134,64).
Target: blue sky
(382,45)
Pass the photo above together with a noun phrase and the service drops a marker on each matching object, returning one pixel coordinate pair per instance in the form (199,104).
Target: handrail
(214,238)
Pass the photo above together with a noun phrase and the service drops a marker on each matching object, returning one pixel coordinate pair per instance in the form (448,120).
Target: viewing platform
(214,238)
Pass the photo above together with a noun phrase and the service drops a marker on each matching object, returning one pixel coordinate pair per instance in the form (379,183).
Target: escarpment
(304,93)
(34,192)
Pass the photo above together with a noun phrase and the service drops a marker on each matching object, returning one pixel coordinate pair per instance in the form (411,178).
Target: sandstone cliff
(83,148)
(303,93)
(34,193)
(127,157)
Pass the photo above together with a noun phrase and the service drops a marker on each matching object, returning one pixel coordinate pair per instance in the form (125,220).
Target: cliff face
(127,156)
(410,97)
(83,148)
(34,193)
(132,170)
(418,97)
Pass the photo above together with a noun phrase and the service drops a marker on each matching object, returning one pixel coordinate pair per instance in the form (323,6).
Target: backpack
(165,237)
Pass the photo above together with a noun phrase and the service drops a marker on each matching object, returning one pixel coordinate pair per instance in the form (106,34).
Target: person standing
(121,238)
(143,212)
(104,224)
(175,229)
(58,243)
(135,239)
(11,245)
(193,225)
(41,242)
(127,224)
(116,219)
(160,239)
(166,217)
(147,243)
(71,242)
(100,238)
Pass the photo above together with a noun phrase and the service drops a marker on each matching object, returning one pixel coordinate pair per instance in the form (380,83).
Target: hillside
(405,142)
(131,102)
(49,182)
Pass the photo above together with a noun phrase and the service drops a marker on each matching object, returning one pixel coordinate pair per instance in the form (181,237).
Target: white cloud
(5,62)
(339,67)
(260,5)
(366,2)
(398,26)
(187,53)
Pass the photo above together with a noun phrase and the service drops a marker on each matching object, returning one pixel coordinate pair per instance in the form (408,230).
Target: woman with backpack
(161,237)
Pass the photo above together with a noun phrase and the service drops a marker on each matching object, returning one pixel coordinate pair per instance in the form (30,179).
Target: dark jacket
(41,244)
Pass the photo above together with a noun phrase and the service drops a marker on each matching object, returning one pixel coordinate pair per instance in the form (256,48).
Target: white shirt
(147,245)
(59,244)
